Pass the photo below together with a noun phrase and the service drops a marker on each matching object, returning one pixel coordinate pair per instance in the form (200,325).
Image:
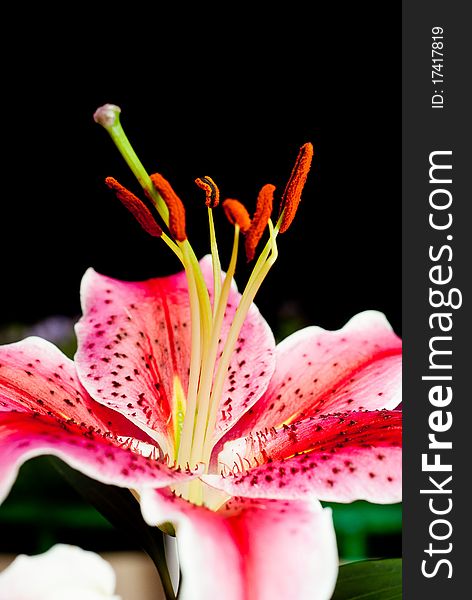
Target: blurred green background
(43,509)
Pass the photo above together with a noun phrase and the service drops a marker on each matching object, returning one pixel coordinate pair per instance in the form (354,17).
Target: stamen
(260,220)
(175,206)
(215,260)
(204,400)
(212,192)
(261,269)
(237,214)
(196,409)
(137,208)
(293,190)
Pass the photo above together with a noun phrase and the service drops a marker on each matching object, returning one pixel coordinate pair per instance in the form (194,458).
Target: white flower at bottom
(62,573)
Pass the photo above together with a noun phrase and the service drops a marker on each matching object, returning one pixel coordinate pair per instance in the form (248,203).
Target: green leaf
(120,507)
(370,580)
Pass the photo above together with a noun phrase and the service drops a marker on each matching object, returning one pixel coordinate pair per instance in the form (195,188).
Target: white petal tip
(62,572)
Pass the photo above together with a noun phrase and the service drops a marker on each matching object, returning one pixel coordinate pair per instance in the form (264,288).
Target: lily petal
(317,372)
(258,549)
(45,410)
(35,377)
(134,340)
(337,458)
(62,572)
(26,435)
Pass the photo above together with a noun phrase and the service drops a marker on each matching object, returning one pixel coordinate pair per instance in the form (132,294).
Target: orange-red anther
(237,214)
(293,190)
(175,206)
(136,207)
(260,219)
(212,192)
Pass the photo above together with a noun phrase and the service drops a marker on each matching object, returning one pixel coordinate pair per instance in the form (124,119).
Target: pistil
(200,308)
(109,117)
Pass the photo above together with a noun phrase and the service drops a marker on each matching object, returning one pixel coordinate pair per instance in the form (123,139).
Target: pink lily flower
(179,392)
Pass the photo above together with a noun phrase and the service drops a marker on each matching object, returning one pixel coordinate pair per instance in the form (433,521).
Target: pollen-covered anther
(136,207)
(212,193)
(175,206)
(237,214)
(293,190)
(260,219)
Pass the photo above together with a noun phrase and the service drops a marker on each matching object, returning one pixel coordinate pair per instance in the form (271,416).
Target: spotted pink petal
(24,436)
(45,410)
(337,458)
(317,372)
(134,338)
(36,377)
(257,549)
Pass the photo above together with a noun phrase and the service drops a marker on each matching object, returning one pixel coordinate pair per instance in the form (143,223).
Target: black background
(229,95)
